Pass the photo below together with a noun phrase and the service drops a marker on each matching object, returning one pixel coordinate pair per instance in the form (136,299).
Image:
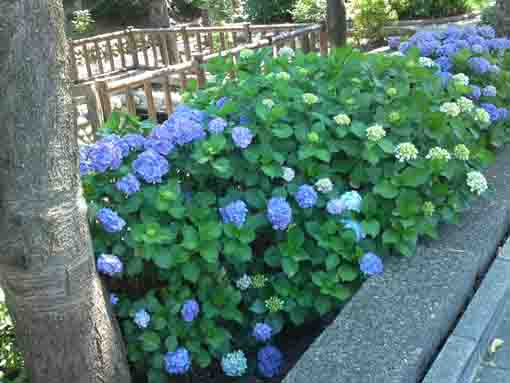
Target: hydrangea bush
(238,216)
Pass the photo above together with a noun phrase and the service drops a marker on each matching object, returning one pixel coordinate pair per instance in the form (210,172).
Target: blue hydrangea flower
(244,120)
(114,299)
(335,206)
(103,156)
(479,65)
(177,362)
(110,220)
(217,125)
(184,111)
(262,332)
(161,146)
(493,111)
(128,184)
(477,49)
(190,310)
(234,364)
(242,137)
(117,141)
(494,69)
(487,31)
(306,196)
(109,264)
(476,92)
(182,130)
(269,361)
(489,91)
(394,42)
(85,165)
(151,166)
(370,264)
(279,213)
(221,102)
(235,213)
(134,141)
(444,63)
(352,200)
(356,227)
(445,78)
(142,318)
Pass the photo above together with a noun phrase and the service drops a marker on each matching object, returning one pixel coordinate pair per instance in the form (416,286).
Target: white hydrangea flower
(246,53)
(461,78)
(482,116)
(267,102)
(288,174)
(426,62)
(465,104)
(324,185)
(476,182)
(392,92)
(406,152)
(450,108)
(376,133)
(394,116)
(283,76)
(310,98)
(342,119)
(461,152)
(438,153)
(244,283)
(286,51)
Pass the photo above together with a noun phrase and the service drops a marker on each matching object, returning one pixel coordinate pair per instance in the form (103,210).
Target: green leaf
(150,341)
(348,273)
(272,170)
(258,307)
(387,146)
(210,230)
(332,261)
(386,189)
(171,343)
(190,238)
(191,271)
(210,251)
(290,267)
(282,131)
(223,167)
(371,227)
(390,237)
(414,177)
(163,259)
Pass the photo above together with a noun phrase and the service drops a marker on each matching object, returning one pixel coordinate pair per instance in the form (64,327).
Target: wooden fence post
(173,49)
(132,45)
(323,40)
(104,98)
(198,63)
(247,31)
(305,43)
(72,57)
(185,38)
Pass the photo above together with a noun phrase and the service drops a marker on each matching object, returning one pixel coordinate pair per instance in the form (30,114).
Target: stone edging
(466,347)
(392,329)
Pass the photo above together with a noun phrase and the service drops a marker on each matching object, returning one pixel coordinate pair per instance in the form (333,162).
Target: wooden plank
(132,47)
(198,62)
(130,101)
(184,80)
(99,57)
(223,46)
(169,106)
(86,57)
(164,49)
(173,52)
(154,44)
(109,52)
(313,42)
(151,108)
(122,51)
(144,49)
(235,39)
(185,38)
(211,41)
(104,98)
(74,67)
(323,37)
(199,42)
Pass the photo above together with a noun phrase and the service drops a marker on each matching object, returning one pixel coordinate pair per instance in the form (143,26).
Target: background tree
(337,22)
(503,17)
(63,323)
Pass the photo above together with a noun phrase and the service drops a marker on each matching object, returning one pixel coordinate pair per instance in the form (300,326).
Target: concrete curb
(393,328)
(468,343)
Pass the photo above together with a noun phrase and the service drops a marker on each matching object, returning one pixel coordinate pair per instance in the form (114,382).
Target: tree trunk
(337,23)
(158,14)
(63,322)
(204,14)
(503,18)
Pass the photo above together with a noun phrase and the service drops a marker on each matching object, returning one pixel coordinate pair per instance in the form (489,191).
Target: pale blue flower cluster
(370,264)
(306,196)
(114,299)
(242,137)
(235,213)
(234,364)
(217,125)
(177,362)
(104,156)
(335,206)
(151,166)
(269,361)
(110,220)
(356,227)
(262,332)
(351,200)
(128,184)
(479,65)
(109,264)
(489,91)
(134,141)
(190,310)
(142,318)
(496,114)
(279,213)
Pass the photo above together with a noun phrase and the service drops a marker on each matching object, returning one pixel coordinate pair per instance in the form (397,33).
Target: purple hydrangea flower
(190,310)
(493,111)
(110,220)
(217,125)
(128,184)
(177,362)
(262,332)
(370,264)
(103,156)
(476,92)
(335,207)
(151,166)
(221,102)
(142,318)
(394,42)
(242,137)
(352,200)
(109,264)
(355,227)
(279,213)
(235,213)
(134,141)
(114,299)
(489,91)
(306,196)
(269,361)
(479,65)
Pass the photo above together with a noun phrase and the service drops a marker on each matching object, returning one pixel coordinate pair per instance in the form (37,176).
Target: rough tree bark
(503,17)
(337,23)
(159,16)
(64,325)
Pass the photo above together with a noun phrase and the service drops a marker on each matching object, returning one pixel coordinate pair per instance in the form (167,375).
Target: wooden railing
(110,53)
(310,38)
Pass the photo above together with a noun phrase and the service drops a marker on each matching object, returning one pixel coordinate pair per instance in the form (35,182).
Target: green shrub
(408,9)
(489,16)
(11,360)
(381,128)
(369,19)
(309,11)
(267,11)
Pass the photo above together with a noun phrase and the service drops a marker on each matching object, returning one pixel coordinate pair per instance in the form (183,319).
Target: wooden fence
(309,38)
